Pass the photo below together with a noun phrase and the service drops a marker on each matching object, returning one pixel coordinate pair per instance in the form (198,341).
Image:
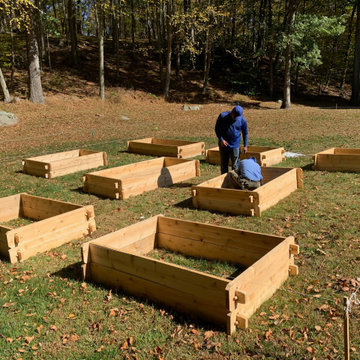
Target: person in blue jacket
(230,125)
(247,175)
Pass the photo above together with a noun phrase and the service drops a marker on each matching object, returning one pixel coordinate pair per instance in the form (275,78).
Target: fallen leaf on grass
(71,316)
(268,334)
(208,334)
(29,339)
(38,329)
(100,348)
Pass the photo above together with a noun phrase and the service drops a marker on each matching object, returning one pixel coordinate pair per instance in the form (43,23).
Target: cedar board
(278,183)
(134,179)
(119,260)
(180,149)
(63,163)
(337,159)
(57,223)
(265,155)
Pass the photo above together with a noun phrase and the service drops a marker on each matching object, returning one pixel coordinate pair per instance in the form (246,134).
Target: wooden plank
(346,151)
(265,155)
(262,279)
(126,170)
(10,207)
(277,189)
(56,156)
(221,235)
(49,241)
(153,149)
(32,231)
(233,201)
(180,301)
(331,162)
(142,246)
(124,237)
(240,255)
(78,164)
(38,208)
(171,275)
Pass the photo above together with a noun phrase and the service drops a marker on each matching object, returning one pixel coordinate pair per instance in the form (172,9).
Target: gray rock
(123,117)
(191,107)
(7,118)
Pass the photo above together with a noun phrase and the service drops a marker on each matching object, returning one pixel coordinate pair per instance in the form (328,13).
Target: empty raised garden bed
(164,147)
(265,155)
(63,163)
(277,184)
(134,179)
(119,260)
(55,223)
(337,159)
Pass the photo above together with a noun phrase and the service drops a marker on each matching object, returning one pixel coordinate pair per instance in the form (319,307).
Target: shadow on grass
(308,167)
(181,185)
(185,204)
(73,272)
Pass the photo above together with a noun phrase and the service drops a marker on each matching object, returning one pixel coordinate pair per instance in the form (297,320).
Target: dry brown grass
(65,119)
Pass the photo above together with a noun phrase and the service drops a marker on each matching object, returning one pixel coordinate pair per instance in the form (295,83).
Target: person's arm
(244,132)
(218,131)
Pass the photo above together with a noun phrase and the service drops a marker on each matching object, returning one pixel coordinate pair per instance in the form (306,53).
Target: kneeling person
(247,174)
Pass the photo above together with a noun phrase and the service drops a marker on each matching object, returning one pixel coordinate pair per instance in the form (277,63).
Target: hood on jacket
(237,111)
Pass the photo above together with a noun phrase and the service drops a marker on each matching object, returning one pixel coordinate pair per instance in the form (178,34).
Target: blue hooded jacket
(230,129)
(250,169)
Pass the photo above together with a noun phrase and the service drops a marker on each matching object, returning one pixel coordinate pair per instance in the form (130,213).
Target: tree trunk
(207,62)
(169,49)
(7,97)
(133,25)
(347,51)
(286,102)
(355,94)
(35,87)
(101,50)
(159,42)
(48,52)
(12,54)
(72,31)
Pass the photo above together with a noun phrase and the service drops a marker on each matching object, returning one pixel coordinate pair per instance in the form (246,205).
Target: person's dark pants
(227,153)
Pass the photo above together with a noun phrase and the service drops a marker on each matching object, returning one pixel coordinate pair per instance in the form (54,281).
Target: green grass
(47,312)
(213,267)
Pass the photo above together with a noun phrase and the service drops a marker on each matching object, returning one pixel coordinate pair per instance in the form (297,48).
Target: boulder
(191,107)
(7,118)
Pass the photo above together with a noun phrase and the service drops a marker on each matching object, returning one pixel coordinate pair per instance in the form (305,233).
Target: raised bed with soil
(278,183)
(119,260)
(134,179)
(48,224)
(166,147)
(63,163)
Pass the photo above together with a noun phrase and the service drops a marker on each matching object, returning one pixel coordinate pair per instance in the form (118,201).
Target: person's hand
(245,149)
(223,143)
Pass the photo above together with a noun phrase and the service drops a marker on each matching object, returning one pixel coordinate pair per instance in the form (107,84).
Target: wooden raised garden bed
(163,147)
(337,159)
(277,184)
(134,179)
(56,223)
(63,163)
(119,260)
(265,155)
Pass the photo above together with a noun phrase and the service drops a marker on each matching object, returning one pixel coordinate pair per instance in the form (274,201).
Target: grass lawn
(47,312)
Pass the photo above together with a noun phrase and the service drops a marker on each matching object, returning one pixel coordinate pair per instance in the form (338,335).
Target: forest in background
(260,47)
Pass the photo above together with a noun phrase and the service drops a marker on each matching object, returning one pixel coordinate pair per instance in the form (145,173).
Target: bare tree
(286,102)
(35,86)
(7,97)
